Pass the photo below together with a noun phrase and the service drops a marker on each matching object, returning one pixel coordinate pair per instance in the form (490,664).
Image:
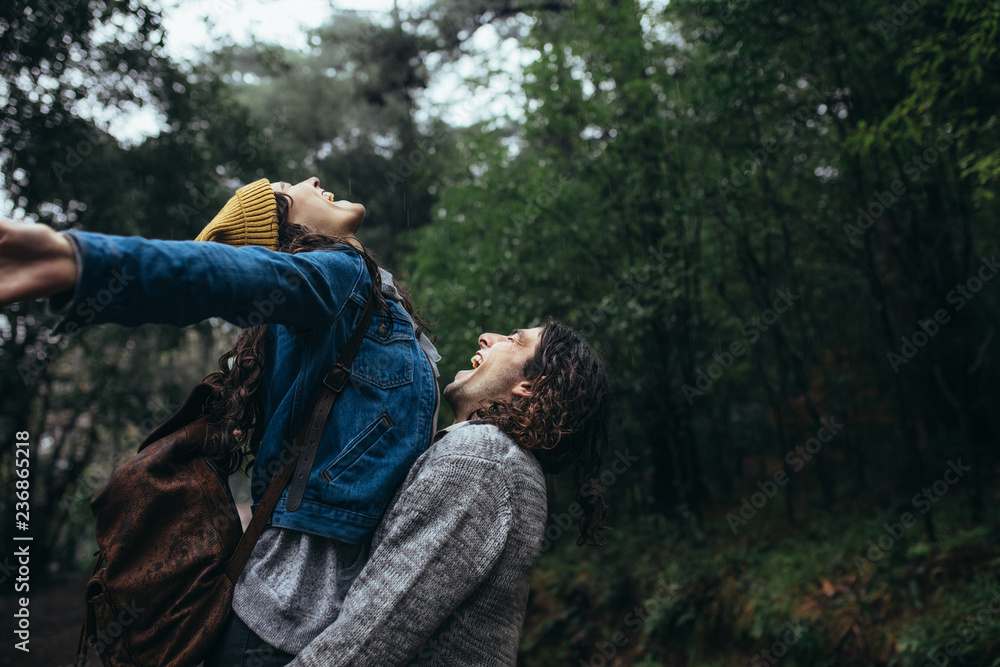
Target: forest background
(777,221)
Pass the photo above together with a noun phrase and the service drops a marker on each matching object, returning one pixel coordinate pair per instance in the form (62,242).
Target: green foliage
(949,74)
(746,207)
(234,117)
(678,168)
(729,601)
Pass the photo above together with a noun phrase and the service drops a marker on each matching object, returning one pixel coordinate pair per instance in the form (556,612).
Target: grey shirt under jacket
(294,583)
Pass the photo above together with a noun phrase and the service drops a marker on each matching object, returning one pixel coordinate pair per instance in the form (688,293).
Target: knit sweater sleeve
(442,538)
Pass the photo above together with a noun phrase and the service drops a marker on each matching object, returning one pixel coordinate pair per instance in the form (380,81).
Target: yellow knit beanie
(249,218)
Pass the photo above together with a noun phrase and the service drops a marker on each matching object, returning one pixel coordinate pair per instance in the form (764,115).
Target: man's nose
(487,339)
(314,181)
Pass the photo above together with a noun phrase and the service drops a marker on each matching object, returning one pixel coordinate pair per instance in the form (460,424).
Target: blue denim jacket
(311,301)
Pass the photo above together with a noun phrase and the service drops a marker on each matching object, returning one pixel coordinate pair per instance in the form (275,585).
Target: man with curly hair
(448,577)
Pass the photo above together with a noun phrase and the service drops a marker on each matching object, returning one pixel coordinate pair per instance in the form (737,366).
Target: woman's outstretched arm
(133,281)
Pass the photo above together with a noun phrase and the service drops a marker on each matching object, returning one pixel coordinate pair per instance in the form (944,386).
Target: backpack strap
(89,621)
(303,449)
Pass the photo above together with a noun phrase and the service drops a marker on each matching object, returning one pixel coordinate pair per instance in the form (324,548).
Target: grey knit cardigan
(448,578)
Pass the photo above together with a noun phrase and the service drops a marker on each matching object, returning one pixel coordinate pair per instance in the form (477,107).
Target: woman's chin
(353,225)
(353,208)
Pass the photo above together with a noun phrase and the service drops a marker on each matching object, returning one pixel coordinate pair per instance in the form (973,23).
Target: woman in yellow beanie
(294,582)
(282,262)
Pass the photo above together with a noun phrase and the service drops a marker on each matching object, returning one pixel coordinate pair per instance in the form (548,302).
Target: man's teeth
(476,361)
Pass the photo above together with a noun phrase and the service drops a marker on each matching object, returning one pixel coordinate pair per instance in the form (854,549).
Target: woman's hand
(35,262)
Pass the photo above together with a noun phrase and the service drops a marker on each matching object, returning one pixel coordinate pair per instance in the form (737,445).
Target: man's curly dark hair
(565,420)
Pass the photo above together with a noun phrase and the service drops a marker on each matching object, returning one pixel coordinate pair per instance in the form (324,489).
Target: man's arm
(443,536)
(133,281)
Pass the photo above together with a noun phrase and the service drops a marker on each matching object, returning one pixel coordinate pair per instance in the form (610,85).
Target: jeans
(239,646)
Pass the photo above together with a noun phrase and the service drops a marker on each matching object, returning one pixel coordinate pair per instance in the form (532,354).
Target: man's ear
(522,389)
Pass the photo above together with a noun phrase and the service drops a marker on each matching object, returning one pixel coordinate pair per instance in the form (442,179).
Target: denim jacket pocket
(356,449)
(385,358)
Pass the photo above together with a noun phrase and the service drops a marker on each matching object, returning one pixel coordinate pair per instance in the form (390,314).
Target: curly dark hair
(237,406)
(565,419)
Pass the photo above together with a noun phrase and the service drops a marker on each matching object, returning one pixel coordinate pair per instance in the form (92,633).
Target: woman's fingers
(35,262)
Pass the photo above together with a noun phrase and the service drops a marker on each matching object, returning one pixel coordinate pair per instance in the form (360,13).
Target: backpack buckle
(337,378)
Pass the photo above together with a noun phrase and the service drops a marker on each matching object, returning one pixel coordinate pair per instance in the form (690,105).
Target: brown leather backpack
(168,529)
(166,524)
